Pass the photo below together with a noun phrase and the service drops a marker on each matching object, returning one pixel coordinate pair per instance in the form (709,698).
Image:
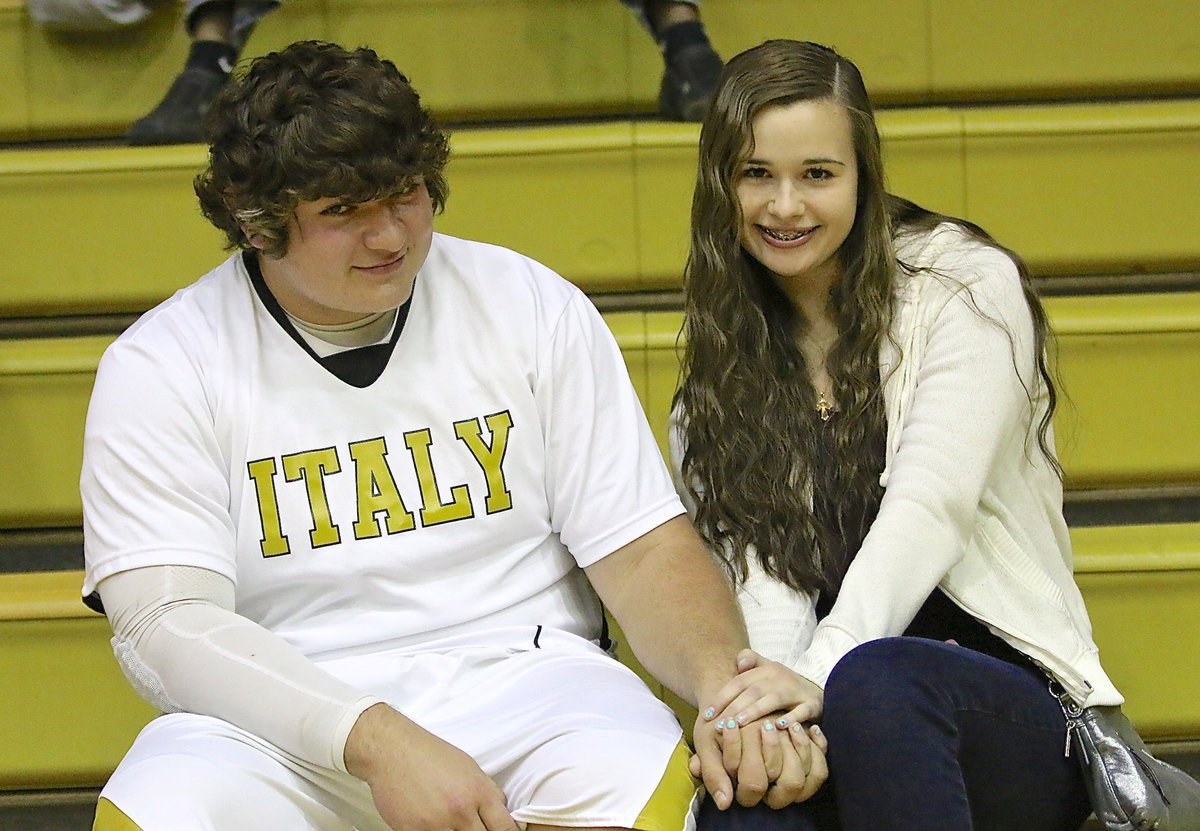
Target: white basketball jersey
(455,497)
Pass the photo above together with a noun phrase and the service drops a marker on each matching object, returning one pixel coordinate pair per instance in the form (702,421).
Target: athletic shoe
(689,82)
(179,117)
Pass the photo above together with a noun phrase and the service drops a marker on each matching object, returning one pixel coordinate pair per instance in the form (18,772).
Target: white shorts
(573,738)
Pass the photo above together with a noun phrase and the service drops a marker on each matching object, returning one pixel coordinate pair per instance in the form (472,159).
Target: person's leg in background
(218,30)
(924,734)
(691,65)
(90,15)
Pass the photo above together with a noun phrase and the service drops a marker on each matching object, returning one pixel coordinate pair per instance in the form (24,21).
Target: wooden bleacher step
(606,203)
(488,60)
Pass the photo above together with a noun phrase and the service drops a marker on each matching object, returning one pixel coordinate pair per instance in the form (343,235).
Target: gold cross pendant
(824,408)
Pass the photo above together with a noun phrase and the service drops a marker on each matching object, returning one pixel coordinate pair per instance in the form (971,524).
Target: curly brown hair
(766,477)
(312,121)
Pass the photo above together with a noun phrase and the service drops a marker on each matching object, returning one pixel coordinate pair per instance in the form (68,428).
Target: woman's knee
(877,665)
(881,680)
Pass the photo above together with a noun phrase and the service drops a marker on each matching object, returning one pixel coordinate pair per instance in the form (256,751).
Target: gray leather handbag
(1129,788)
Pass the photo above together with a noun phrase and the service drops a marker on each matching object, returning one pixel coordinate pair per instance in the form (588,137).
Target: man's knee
(564,828)
(111,818)
(172,791)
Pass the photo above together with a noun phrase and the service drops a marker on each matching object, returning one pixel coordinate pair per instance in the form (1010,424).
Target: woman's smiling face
(798,190)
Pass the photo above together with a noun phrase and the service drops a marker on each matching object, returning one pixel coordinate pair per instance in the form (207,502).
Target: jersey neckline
(359,367)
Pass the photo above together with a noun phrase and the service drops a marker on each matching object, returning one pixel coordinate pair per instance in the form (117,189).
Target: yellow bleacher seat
(607,204)
(1128,365)
(1141,584)
(44,388)
(1037,49)
(14,98)
(69,715)
(506,59)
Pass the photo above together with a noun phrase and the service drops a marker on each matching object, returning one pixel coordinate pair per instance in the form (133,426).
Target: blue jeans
(930,736)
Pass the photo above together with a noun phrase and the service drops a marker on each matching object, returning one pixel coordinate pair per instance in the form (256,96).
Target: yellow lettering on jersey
(313,466)
(459,506)
(377,492)
(262,474)
(490,457)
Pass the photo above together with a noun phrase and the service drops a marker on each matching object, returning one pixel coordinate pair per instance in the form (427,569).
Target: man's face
(347,260)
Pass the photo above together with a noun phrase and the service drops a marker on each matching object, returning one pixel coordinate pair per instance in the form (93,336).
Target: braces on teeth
(785,236)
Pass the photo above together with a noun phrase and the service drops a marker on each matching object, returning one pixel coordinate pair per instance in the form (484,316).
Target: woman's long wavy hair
(748,406)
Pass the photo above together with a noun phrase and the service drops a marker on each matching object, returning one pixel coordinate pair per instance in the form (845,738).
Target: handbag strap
(1072,712)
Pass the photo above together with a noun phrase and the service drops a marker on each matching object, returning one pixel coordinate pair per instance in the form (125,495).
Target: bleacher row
(1069,129)
(1096,188)
(489,60)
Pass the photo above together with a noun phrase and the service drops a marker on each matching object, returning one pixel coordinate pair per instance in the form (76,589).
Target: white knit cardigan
(970,504)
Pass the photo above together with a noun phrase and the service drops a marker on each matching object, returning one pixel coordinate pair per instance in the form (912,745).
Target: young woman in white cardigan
(863,430)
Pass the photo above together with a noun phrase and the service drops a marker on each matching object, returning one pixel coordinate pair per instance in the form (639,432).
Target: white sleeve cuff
(342,729)
(828,646)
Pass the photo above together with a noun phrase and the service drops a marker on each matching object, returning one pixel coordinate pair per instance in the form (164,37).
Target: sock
(679,35)
(212,55)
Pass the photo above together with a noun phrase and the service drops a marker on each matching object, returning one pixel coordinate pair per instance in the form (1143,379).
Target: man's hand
(418,781)
(708,764)
(802,766)
(762,762)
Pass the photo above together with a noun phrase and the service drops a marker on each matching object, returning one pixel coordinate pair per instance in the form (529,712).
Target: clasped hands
(755,741)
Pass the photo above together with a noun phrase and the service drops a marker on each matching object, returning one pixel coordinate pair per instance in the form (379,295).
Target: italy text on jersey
(380,507)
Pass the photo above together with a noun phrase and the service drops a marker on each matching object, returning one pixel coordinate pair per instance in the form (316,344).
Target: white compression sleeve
(184,649)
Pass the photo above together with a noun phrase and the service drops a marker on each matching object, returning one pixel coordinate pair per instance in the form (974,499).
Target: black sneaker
(179,117)
(689,82)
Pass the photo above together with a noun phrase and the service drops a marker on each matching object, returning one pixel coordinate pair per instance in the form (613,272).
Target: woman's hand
(763,687)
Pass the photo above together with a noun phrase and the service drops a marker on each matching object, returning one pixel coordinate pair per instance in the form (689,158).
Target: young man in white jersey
(352,500)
